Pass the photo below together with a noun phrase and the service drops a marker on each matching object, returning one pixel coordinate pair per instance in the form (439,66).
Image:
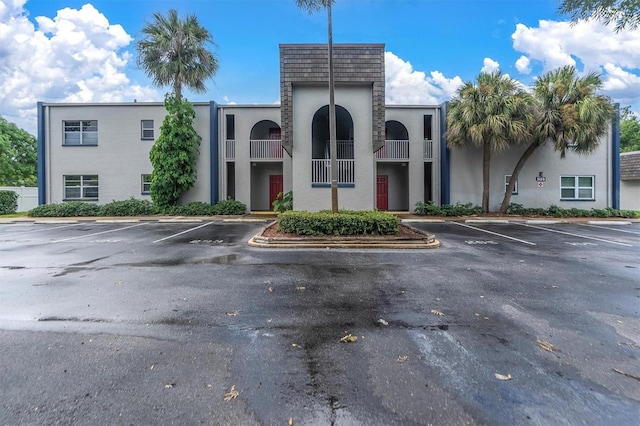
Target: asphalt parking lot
(159,323)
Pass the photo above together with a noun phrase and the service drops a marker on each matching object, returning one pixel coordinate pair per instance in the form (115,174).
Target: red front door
(382,192)
(275,187)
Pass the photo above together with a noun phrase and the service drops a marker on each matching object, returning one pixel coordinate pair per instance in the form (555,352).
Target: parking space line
(98,233)
(495,233)
(183,232)
(575,235)
(611,229)
(46,229)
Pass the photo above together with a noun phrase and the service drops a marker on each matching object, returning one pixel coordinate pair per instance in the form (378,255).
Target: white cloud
(489,65)
(77,56)
(406,86)
(523,65)
(590,46)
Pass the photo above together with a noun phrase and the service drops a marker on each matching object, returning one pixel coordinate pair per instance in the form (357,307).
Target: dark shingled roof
(630,165)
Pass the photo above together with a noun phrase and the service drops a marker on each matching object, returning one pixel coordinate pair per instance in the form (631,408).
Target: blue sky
(79,51)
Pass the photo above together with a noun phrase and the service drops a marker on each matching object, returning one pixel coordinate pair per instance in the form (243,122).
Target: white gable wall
(466,176)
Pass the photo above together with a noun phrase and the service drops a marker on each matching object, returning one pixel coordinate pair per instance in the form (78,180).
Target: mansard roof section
(352,63)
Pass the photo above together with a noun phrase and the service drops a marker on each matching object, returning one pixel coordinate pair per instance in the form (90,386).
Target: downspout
(615,158)
(214,147)
(42,176)
(445,176)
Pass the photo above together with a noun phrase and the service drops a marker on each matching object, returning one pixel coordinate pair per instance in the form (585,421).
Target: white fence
(393,150)
(428,149)
(321,171)
(27,196)
(230,149)
(266,149)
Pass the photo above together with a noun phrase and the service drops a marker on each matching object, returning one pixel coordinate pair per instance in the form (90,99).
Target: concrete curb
(259,241)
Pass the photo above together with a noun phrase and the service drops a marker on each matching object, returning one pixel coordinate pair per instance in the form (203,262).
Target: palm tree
(173,52)
(314,6)
(568,114)
(493,113)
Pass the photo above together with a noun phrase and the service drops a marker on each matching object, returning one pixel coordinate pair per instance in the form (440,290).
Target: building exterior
(630,180)
(389,156)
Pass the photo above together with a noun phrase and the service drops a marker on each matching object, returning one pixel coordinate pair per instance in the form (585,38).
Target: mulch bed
(404,233)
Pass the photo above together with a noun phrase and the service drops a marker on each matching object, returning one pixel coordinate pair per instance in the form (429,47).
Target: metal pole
(332,122)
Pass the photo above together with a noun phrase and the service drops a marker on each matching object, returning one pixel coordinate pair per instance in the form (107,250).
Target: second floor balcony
(259,149)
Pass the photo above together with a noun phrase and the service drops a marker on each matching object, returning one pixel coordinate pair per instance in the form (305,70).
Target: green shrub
(555,211)
(341,223)
(8,202)
(229,207)
(195,208)
(199,208)
(457,209)
(68,209)
(283,202)
(130,207)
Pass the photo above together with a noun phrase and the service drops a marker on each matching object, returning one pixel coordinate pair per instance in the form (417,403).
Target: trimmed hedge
(555,211)
(198,208)
(8,202)
(458,209)
(342,223)
(134,207)
(130,207)
(68,209)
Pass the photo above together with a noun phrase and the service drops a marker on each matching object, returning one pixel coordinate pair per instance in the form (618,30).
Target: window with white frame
(147,129)
(577,188)
(80,132)
(507,179)
(81,187)
(146,184)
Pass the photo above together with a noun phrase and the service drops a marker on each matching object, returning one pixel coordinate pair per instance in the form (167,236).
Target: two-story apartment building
(389,156)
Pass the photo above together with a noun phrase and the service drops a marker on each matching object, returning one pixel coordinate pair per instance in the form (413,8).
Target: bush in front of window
(8,202)
(198,208)
(68,209)
(457,209)
(130,207)
(341,223)
(229,207)
(556,211)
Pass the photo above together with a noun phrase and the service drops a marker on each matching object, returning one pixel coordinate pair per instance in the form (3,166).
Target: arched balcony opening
(265,140)
(320,150)
(396,144)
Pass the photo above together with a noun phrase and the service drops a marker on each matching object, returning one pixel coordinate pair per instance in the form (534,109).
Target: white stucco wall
(121,156)
(245,117)
(630,194)
(357,100)
(412,117)
(466,176)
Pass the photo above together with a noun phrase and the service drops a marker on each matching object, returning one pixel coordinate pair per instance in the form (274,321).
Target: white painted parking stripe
(576,235)
(611,229)
(495,233)
(46,229)
(99,233)
(183,232)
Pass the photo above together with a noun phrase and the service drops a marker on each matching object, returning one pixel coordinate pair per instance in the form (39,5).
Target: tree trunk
(514,175)
(486,161)
(333,149)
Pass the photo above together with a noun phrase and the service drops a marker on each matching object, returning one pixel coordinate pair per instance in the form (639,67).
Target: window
(231,126)
(146,184)
(576,188)
(84,132)
(81,187)
(147,129)
(507,179)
